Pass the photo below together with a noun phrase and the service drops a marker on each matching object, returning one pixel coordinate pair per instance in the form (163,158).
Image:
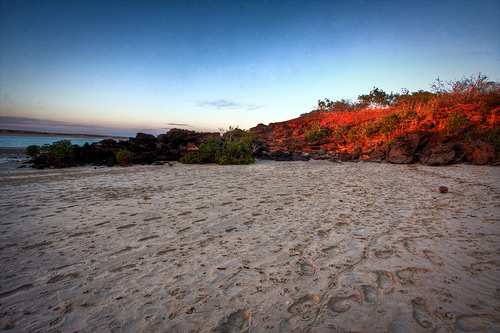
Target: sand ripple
(306,246)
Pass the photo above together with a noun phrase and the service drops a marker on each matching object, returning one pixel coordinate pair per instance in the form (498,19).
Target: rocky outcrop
(285,142)
(145,148)
(481,153)
(292,141)
(442,153)
(176,143)
(405,147)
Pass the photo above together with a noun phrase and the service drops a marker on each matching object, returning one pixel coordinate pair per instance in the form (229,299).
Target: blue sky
(119,67)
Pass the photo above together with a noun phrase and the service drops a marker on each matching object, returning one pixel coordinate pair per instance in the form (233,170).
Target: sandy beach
(280,247)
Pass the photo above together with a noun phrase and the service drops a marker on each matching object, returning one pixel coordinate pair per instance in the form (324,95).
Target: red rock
(404,148)
(439,153)
(480,152)
(443,189)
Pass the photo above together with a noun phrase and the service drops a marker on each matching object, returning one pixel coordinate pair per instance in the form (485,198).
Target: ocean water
(25,141)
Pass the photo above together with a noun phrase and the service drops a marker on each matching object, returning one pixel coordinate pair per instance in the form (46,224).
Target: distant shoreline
(5,132)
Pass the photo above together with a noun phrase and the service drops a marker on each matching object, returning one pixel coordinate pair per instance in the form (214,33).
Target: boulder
(143,143)
(145,158)
(145,137)
(480,152)
(345,156)
(178,142)
(404,148)
(442,153)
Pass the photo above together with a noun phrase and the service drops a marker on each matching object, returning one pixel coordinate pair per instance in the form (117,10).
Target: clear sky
(119,67)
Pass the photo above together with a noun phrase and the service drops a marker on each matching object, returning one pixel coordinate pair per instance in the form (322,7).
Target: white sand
(272,246)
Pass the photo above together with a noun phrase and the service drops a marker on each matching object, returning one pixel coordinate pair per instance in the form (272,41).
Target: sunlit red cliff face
(444,130)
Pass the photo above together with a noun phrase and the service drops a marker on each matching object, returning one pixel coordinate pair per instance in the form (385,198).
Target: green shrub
(488,135)
(314,133)
(32,151)
(409,115)
(124,156)
(371,129)
(205,153)
(234,147)
(389,123)
(236,151)
(340,132)
(353,133)
(59,154)
(455,120)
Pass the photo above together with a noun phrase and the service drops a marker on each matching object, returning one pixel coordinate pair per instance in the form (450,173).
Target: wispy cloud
(55,126)
(222,104)
(175,124)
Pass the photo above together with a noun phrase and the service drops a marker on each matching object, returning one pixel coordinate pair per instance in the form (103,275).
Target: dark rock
(144,158)
(40,166)
(345,156)
(281,155)
(176,143)
(300,158)
(374,152)
(442,153)
(145,137)
(480,152)
(404,148)
(106,143)
(143,143)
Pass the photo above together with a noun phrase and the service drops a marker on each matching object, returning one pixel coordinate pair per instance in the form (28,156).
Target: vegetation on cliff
(471,103)
(457,120)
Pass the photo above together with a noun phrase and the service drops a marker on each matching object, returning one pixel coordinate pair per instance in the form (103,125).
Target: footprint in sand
(410,246)
(433,258)
(83,233)
(236,322)
(18,289)
(406,275)
(340,304)
(122,268)
(148,238)
(304,304)
(385,280)
(127,226)
(36,246)
(384,254)
(307,268)
(334,248)
(478,322)
(323,233)
(422,313)
(485,266)
(370,293)
(58,278)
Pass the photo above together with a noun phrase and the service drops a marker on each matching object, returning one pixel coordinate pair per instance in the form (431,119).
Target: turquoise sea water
(25,141)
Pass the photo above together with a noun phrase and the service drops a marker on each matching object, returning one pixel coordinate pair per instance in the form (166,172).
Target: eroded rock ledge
(280,141)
